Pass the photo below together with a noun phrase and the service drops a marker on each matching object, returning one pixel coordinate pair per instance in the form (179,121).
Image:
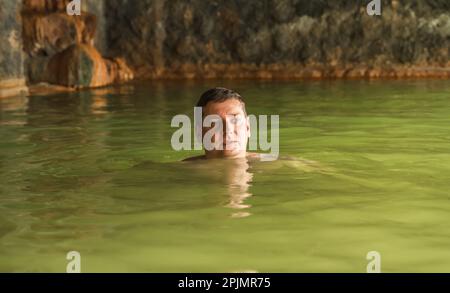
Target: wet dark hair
(219,94)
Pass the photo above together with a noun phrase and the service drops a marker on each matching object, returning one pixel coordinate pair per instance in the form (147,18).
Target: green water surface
(94,172)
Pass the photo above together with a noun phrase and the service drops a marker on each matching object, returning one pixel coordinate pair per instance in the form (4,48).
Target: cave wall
(270,38)
(223,39)
(12,79)
(32,32)
(97,8)
(68,50)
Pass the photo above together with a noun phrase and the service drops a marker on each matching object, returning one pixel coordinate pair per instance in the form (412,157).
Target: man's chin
(233,153)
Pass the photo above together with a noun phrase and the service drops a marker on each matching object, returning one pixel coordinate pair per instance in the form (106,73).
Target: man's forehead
(229,107)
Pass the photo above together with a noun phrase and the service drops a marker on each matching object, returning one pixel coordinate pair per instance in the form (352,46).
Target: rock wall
(268,39)
(280,38)
(62,49)
(12,81)
(97,8)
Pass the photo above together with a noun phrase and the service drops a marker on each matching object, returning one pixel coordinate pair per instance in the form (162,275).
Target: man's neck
(217,155)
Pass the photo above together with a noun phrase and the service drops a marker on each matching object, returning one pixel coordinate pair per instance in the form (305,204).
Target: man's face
(232,140)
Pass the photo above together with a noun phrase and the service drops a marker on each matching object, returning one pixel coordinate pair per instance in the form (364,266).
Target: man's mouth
(229,145)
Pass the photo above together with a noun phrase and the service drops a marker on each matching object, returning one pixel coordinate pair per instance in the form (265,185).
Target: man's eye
(236,120)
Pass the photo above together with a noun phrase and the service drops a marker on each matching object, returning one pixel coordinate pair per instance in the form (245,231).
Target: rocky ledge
(61,48)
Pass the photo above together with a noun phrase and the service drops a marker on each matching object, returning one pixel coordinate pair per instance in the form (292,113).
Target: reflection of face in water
(234,175)
(238,180)
(211,178)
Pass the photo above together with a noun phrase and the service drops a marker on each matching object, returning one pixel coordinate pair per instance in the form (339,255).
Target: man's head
(228,105)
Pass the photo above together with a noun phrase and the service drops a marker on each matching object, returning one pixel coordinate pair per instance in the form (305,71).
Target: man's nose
(227,128)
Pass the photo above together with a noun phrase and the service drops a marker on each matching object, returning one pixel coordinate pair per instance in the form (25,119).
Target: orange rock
(78,66)
(118,70)
(47,34)
(12,87)
(82,66)
(316,74)
(374,73)
(45,5)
